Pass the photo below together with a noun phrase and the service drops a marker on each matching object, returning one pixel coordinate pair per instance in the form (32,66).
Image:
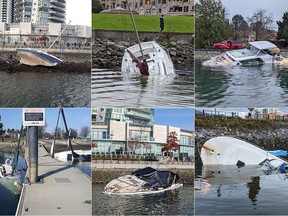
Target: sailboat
(71,155)
(33,57)
(9,174)
(158,60)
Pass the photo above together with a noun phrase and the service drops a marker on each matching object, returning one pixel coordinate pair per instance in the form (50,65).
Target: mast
(53,143)
(75,155)
(17,153)
(58,36)
(135,29)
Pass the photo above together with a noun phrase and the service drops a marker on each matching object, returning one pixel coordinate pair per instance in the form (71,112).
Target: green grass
(150,23)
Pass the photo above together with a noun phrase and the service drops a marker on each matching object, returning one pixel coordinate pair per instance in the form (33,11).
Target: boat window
(262,52)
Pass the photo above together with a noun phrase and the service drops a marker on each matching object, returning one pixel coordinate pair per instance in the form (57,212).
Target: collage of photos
(140,107)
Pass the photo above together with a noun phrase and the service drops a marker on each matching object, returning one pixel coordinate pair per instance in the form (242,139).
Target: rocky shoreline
(266,134)
(72,63)
(108,54)
(103,176)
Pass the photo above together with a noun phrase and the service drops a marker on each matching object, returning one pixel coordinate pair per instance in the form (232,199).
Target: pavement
(62,190)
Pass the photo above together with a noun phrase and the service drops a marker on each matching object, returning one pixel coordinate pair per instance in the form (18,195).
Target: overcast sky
(247,7)
(79,12)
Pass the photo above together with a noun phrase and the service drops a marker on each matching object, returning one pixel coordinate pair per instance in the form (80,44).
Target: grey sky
(247,7)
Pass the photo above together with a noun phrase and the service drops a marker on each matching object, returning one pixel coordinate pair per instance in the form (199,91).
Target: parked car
(228,44)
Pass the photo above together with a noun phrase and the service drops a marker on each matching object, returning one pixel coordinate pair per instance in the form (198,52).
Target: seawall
(108,46)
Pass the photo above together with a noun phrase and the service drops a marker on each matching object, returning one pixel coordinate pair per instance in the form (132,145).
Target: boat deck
(63,190)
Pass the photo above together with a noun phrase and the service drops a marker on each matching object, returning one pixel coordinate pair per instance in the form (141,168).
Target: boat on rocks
(231,151)
(256,53)
(143,181)
(34,57)
(158,60)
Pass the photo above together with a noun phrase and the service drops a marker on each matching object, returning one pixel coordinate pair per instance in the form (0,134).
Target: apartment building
(40,11)
(6,11)
(168,7)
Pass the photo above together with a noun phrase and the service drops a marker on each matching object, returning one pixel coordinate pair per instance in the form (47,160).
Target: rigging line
(53,143)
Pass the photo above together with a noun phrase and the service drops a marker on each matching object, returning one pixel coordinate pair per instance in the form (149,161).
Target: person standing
(161,23)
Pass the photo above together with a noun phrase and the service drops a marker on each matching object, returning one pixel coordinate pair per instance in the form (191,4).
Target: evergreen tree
(283,28)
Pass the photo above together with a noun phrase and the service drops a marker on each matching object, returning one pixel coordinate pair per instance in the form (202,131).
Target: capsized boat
(159,62)
(34,57)
(231,151)
(256,53)
(65,156)
(143,181)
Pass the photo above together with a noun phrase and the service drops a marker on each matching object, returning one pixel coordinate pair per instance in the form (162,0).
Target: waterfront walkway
(62,190)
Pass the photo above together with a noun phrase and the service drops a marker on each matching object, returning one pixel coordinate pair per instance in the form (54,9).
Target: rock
(173,53)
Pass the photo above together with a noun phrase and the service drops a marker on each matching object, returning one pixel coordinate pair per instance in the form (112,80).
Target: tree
(240,26)
(138,139)
(96,6)
(85,131)
(171,143)
(41,130)
(58,132)
(73,133)
(260,22)
(212,24)
(283,28)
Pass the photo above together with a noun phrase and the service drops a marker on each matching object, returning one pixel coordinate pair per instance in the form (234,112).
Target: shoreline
(72,63)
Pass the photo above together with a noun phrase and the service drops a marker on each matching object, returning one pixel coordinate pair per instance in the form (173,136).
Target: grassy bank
(148,23)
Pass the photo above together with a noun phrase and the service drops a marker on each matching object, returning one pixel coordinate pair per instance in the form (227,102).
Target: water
(111,88)
(176,202)
(228,190)
(85,167)
(255,86)
(8,200)
(36,89)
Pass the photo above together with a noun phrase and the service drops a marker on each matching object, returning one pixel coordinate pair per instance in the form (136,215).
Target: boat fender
(8,161)
(240,164)
(282,168)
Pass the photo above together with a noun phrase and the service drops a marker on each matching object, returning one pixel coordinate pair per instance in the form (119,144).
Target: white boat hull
(33,57)
(159,62)
(66,156)
(228,151)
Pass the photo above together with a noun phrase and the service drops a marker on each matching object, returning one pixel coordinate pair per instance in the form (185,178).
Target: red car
(228,44)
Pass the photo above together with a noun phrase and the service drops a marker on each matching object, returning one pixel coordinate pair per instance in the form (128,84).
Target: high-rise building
(40,11)
(6,11)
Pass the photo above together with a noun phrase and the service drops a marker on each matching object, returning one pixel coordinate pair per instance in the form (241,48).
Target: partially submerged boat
(65,156)
(34,57)
(231,151)
(159,62)
(143,181)
(256,53)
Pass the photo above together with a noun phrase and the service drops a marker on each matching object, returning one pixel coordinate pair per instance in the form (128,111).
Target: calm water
(9,201)
(228,190)
(263,86)
(112,88)
(176,202)
(29,89)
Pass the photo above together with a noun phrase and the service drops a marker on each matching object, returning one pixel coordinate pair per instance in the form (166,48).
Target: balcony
(57,14)
(58,3)
(59,9)
(137,115)
(56,19)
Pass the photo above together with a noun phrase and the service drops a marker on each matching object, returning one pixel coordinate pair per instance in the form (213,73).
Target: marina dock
(62,190)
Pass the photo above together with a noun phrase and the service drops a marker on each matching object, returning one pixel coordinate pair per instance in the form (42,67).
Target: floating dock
(62,190)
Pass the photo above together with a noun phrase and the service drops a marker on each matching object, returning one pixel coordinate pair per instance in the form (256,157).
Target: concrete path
(62,190)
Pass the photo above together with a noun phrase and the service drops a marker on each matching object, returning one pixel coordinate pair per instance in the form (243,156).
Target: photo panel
(240,161)
(142,161)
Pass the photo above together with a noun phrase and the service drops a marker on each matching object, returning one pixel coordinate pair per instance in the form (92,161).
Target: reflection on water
(112,88)
(228,190)
(176,202)
(31,89)
(85,167)
(266,85)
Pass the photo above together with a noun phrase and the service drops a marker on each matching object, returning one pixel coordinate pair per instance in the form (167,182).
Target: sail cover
(155,178)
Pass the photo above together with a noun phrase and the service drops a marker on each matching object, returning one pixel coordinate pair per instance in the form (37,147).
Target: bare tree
(137,140)
(260,22)
(85,131)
